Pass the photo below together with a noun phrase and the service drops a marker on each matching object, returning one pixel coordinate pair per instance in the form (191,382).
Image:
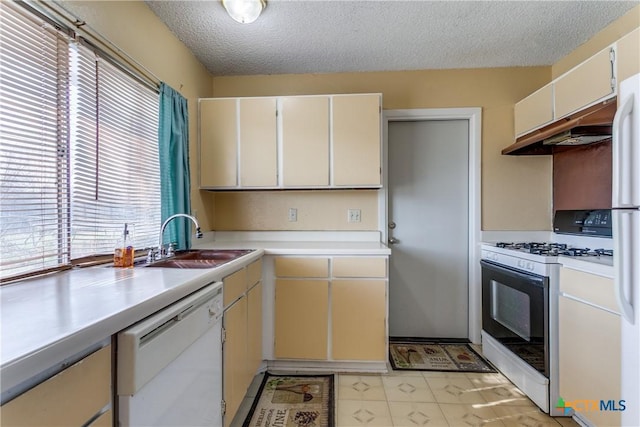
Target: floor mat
(436,356)
(293,401)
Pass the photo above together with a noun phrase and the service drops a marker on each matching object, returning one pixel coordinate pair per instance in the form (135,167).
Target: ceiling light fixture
(244,11)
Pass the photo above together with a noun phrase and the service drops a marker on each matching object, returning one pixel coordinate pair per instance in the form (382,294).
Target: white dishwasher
(169,368)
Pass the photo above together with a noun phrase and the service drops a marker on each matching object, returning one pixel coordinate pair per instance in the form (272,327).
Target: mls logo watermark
(586,405)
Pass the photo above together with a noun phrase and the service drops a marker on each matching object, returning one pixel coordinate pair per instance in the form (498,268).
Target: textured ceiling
(341,36)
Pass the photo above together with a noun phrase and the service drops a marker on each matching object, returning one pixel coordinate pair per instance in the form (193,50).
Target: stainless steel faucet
(164,225)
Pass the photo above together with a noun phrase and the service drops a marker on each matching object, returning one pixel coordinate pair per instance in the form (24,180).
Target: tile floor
(414,398)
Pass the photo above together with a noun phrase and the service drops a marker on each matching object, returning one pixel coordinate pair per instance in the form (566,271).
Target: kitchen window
(78,148)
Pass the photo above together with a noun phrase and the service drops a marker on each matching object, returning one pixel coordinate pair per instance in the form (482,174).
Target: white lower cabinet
(242,323)
(74,397)
(331,308)
(589,337)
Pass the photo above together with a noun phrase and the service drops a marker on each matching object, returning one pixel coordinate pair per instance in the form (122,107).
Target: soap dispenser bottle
(123,254)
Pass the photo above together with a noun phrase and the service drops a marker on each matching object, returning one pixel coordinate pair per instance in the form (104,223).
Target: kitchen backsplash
(582,177)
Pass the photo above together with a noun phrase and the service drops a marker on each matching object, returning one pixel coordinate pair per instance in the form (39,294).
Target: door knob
(393,241)
(392,225)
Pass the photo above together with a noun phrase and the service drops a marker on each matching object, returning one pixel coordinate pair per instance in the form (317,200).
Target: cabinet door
(301,319)
(302,267)
(218,143)
(258,143)
(233,286)
(534,111)
(305,141)
(234,353)
(585,84)
(589,357)
(628,55)
(358,320)
(70,398)
(356,140)
(254,330)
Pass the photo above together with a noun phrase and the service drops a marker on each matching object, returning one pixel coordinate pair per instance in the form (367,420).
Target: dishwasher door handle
(149,346)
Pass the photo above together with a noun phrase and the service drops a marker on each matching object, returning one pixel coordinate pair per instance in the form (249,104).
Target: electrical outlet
(293,214)
(353,215)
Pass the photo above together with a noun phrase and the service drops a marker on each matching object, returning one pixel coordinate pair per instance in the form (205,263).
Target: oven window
(511,308)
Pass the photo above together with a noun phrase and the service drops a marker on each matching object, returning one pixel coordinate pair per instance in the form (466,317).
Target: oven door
(515,311)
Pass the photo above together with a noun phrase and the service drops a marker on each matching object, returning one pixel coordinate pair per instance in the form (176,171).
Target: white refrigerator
(626,235)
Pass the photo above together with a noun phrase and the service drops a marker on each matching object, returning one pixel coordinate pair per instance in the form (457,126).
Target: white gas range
(520,288)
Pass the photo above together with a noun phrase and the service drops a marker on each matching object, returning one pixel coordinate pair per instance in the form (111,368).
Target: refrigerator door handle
(622,262)
(622,157)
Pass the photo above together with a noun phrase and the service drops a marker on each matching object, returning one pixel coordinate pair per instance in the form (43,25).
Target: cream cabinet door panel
(305,141)
(583,85)
(534,111)
(301,267)
(358,310)
(254,330)
(258,143)
(595,289)
(628,55)
(359,266)
(356,140)
(301,319)
(235,358)
(589,357)
(70,398)
(234,286)
(218,143)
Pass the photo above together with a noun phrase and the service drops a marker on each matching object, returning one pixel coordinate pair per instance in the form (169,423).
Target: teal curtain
(175,180)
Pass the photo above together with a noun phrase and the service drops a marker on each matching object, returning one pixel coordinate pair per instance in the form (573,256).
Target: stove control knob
(520,263)
(530,266)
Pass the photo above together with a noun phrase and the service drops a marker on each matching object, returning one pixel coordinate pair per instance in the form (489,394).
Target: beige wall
(136,30)
(602,39)
(516,191)
(317,210)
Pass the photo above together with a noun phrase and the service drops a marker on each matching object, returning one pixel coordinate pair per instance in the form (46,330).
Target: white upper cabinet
(534,111)
(319,141)
(356,140)
(218,143)
(305,141)
(628,55)
(587,83)
(258,142)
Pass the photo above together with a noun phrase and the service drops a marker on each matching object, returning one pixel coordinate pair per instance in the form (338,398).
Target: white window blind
(115,164)
(78,149)
(33,140)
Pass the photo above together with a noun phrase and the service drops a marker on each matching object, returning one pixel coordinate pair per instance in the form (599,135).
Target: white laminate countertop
(49,319)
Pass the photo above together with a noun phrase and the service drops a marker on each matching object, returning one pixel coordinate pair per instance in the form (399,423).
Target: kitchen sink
(203,258)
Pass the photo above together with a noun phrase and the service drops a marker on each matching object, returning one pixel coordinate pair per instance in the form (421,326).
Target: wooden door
(305,141)
(258,143)
(218,143)
(358,330)
(301,318)
(356,140)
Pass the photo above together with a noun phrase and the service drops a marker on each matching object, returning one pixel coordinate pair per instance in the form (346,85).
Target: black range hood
(587,126)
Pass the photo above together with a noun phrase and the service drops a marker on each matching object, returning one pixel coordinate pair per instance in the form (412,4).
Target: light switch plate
(293,215)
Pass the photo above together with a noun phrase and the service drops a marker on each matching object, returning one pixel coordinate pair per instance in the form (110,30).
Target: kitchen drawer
(302,267)
(594,289)
(359,267)
(70,398)
(233,286)
(254,273)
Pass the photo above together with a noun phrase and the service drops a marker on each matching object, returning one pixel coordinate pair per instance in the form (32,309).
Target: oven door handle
(529,277)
